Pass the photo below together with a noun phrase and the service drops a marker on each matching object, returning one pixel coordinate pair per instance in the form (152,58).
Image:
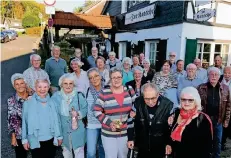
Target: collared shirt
(55,69)
(186,82)
(91,61)
(127,76)
(173,68)
(31,75)
(202,74)
(221,69)
(81,82)
(180,74)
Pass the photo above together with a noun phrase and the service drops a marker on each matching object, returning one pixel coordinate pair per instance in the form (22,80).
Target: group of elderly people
(115,106)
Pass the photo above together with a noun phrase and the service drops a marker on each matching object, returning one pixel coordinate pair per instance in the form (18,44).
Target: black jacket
(85,67)
(196,141)
(150,75)
(151,140)
(133,83)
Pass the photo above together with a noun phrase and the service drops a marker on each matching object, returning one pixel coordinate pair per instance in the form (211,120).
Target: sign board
(204,14)
(50,22)
(202,2)
(50,2)
(50,10)
(140,15)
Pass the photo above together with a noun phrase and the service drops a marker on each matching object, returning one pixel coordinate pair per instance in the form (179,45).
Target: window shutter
(161,54)
(128,54)
(190,52)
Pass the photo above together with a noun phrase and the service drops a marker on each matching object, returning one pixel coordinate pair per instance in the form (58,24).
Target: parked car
(4,37)
(11,35)
(14,32)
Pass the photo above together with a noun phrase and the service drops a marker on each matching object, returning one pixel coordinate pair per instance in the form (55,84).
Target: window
(131,3)
(151,50)
(225,53)
(203,53)
(122,49)
(124,6)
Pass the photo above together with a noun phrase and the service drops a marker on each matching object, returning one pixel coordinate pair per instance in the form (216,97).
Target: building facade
(189,28)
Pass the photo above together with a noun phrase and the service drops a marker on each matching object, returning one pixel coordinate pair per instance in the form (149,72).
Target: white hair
(127,59)
(191,65)
(147,60)
(76,60)
(16,76)
(36,56)
(214,69)
(112,54)
(68,76)
(149,85)
(94,69)
(139,68)
(194,93)
(42,80)
(55,47)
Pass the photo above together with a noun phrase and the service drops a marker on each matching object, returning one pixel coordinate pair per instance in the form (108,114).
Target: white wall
(223,14)
(172,33)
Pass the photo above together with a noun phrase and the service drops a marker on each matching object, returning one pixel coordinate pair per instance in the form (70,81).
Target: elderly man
(148,123)
(218,63)
(215,101)
(55,68)
(91,59)
(34,72)
(190,80)
(180,72)
(112,61)
(172,59)
(226,81)
(78,54)
(141,56)
(201,72)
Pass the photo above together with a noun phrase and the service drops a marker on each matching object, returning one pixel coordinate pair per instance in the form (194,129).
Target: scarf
(94,92)
(187,118)
(66,100)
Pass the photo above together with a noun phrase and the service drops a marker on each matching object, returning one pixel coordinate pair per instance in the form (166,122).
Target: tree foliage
(30,21)
(85,5)
(77,9)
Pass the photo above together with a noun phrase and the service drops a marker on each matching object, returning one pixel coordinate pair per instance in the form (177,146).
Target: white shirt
(81,82)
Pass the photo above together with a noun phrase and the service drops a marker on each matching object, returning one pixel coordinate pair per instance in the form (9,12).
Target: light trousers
(78,153)
(115,147)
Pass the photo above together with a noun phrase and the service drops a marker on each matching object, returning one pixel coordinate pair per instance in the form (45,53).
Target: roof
(95,8)
(67,20)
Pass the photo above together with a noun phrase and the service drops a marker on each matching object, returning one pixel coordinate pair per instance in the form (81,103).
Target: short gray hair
(227,67)
(194,93)
(127,59)
(191,65)
(16,76)
(94,69)
(55,47)
(112,53)
(147,60)
(115,69)
(214,69)
(139,68)
(35,56)
(149,85)
(42,80)
(68,76)
(76,60)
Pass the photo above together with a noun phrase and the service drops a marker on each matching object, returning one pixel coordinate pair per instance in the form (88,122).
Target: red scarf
(187,117)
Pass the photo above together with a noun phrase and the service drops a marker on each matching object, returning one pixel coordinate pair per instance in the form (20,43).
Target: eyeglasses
(172,55)
(68,84)
(116,78)
(93,77)
(187,100)
(149,99)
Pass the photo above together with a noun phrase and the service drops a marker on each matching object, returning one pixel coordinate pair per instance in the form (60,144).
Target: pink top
(119,98)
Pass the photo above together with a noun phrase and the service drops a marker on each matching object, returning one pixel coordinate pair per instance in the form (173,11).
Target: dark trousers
(46,150)
(20,152)
(217,138)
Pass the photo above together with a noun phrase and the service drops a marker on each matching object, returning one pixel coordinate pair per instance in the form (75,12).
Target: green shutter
(190,52)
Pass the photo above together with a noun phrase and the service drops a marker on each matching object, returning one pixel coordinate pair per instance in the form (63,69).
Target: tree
(30,21)
(77,9)
(88,2)
(18,10)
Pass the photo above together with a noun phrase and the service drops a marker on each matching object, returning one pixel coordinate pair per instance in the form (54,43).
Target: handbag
(84,119)
(133,153)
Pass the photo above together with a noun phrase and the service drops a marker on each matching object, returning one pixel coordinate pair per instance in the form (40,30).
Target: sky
(66,5)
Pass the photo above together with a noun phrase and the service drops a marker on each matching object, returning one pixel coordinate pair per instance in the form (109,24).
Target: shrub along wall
(34,31)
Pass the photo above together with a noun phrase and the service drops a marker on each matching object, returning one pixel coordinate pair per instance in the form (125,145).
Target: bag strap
(78,98)
(87,92)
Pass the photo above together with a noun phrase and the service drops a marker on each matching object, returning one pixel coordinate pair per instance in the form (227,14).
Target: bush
(30,21)
(20,33)
(34,31)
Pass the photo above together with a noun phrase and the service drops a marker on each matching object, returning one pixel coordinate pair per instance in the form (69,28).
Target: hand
(170,120)
(14,141)
(132,114)
(168,150)
(60,141)
(74,113)
(225,125)
(26,146)
(30,90)
(130,144)
(113,126)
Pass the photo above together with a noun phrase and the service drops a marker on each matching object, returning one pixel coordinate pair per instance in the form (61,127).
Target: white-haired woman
(191,129)
(112,61)
(71,107)
(104,73)
(40,125)
(15,104)
(94,141)
(126,69)
(148,71)
(80,76)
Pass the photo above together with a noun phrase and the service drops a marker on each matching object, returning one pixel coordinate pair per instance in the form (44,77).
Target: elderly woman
(15,104)
(111,109)
(138,80)
(94,126)
(148,71)
(135,61)
(165,79)
(191,129)
(104,73)
(112,61)
(126,70)
(71,108)
(80,76)
(40,123)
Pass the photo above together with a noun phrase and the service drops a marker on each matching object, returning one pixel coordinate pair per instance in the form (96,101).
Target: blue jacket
(78,136)
(30,122)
